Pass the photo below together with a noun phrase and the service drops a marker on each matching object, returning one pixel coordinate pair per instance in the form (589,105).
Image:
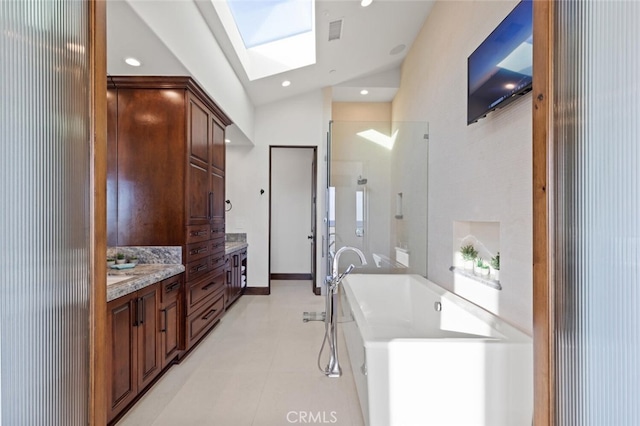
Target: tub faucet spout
(336,262)
(331,317)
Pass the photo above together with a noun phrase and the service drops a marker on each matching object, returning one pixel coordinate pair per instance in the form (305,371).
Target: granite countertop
(231,246)
(126,281)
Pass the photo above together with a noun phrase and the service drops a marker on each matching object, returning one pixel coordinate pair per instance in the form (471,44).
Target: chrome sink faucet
(331,318)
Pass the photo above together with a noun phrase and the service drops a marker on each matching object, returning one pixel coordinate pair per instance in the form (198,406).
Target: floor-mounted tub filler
(423,356)
(333,368)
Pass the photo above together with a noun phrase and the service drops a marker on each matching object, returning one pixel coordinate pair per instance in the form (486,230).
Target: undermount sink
(112,279)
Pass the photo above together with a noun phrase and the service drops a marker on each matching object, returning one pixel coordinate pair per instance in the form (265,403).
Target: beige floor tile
(258,367)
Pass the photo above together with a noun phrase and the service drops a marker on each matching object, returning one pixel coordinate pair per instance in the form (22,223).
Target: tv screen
(500,69)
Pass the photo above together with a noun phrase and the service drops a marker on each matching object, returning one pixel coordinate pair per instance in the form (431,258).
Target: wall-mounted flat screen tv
(500,69)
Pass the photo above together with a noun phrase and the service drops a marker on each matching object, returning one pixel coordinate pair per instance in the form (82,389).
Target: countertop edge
(137,282)
(233,246)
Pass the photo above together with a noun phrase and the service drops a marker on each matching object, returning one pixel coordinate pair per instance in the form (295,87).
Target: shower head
(362,181)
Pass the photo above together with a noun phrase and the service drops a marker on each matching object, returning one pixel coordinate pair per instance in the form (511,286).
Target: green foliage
(495,262)
(480,262)
(120,256)
(468,252)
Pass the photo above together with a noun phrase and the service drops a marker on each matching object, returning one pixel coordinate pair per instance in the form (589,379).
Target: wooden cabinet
(169,179)
(236,274)
(171,312)
(134,346)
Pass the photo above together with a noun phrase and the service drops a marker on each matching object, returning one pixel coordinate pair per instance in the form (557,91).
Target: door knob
(310,237)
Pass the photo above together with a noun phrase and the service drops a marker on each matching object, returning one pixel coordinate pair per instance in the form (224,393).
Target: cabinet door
(170,337)
(228,280)
(199,197)
(122,361)
(170,314)
(198,133)
(218,147)
(149,349)
(217,185)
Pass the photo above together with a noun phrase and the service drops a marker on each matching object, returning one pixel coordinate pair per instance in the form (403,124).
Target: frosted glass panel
(44,219)
(598,212)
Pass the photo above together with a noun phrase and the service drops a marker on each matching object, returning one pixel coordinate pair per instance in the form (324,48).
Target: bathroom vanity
(143,329)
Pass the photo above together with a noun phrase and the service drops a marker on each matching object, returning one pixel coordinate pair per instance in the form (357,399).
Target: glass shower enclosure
(377,194)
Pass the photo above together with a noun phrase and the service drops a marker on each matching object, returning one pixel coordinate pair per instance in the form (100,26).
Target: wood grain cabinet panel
(122,360)
(236,263)
(218,154)
(133,336)
(171,312)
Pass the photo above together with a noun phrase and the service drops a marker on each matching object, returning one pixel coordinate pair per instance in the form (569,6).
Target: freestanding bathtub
(422,356)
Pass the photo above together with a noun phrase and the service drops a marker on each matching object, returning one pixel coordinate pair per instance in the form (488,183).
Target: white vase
(496,274)
(468,265)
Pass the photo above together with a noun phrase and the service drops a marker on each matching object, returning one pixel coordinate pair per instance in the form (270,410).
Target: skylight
(270,36)
(264,21)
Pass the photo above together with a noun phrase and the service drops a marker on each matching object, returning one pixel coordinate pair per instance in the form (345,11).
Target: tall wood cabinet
(168,181)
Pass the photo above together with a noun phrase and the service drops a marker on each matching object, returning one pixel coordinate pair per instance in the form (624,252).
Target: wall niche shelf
(495,284)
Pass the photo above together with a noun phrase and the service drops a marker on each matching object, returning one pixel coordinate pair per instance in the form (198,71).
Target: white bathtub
(423,356)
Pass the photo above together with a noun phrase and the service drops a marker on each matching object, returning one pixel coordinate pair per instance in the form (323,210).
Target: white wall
(294,121)
(291,210)
(480,172)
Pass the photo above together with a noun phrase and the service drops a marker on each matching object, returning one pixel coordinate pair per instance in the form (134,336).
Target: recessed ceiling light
(365,3)
(286,83)
(133,62)
(227,140)
(364,92)
(509,86)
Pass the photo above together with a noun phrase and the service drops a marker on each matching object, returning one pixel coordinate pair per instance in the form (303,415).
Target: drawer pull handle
(199,268)
(172,287)
(198,233)
(197,251)
(211,312)
(208,286)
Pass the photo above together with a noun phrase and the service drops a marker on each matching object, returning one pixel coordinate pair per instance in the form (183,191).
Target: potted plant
(120,259)
(469,253)
(481,268)
(133,259)
(495,264)
(110,261)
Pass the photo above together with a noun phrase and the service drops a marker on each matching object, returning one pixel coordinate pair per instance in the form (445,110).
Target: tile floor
(258,367)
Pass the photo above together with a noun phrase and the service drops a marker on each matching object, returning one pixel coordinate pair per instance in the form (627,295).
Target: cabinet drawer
(217,244)
(217,230)
(202,289)
(171,288)
(198,233)
(199,250)
(201,320)
(218,260)
(198,268)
